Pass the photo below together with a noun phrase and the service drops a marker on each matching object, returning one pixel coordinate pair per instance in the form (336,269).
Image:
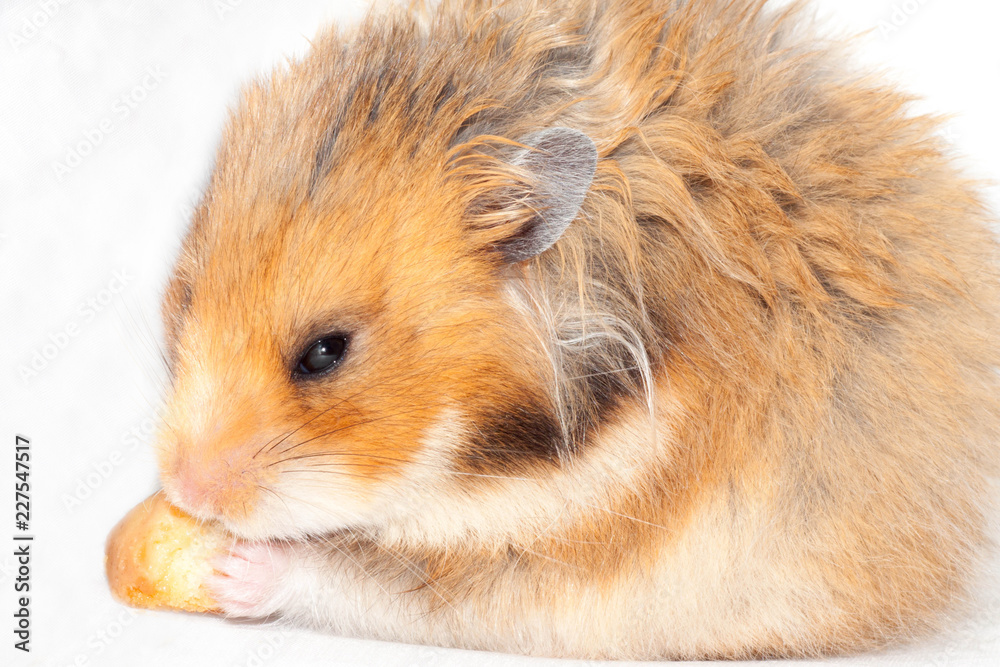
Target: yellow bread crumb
(158,557)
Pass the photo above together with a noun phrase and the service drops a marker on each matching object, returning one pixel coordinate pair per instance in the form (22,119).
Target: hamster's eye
(322,355)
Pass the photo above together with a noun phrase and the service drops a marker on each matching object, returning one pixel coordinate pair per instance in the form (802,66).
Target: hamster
(596,329)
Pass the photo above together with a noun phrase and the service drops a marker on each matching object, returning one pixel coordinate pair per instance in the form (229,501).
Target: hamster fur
(667,336)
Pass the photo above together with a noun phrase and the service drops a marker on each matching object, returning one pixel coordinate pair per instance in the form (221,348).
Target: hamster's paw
(247,579)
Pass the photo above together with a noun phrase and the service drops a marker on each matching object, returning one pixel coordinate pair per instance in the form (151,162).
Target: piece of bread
(158,557)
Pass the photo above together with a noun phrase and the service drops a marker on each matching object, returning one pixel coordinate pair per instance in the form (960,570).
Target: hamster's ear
(528,192)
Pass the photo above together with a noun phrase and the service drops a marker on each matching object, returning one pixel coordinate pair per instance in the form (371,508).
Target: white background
(64,235)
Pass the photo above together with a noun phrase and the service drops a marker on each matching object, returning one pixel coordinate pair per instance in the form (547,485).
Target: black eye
(322,355)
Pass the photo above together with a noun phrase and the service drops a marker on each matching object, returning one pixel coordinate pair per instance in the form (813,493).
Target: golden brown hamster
(604,329)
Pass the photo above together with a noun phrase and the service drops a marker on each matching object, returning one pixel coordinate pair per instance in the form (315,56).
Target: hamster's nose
(211,487)
(193,489)
(212,479)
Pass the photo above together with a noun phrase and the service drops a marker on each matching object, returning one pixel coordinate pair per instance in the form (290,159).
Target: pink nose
(218,488)
(195,490)
(192,491)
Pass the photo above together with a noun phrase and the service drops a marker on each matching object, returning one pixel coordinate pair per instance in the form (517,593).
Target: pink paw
(246,579)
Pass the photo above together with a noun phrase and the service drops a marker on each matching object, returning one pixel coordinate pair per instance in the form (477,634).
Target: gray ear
(562,163)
